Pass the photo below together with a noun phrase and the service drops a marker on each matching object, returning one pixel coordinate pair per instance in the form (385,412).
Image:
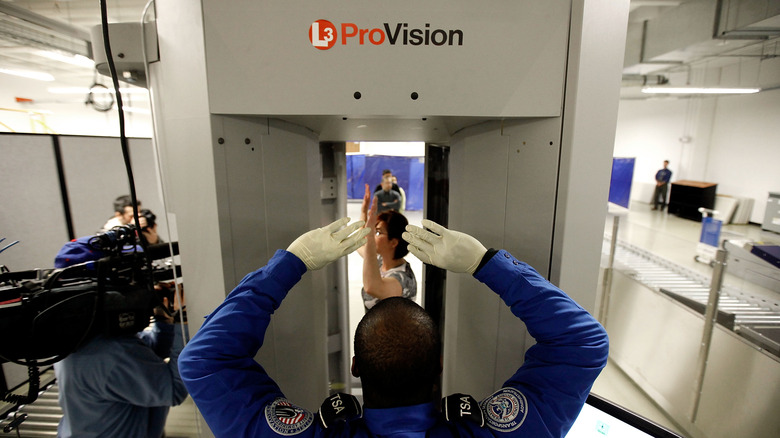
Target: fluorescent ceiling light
(28,74)
(97,90)
(78,60)
(132,109)
(693,90)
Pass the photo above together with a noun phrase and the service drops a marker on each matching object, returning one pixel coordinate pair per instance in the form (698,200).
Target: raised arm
(570,351)
(364,208)
(231,390)
(373,283)
(571,346)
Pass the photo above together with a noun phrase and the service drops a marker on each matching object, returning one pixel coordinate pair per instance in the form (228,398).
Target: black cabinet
(688,196)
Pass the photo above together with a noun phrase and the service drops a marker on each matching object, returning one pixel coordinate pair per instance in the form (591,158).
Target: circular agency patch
(505,410)
(285,418)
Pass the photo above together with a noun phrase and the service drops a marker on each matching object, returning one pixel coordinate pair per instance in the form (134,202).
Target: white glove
(319,247)
(450,250)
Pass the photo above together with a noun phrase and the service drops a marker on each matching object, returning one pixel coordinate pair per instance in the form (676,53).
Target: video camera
(104,284)
(150,217)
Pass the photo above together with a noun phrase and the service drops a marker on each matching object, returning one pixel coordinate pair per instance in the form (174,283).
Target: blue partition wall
(620,185)
(367,169)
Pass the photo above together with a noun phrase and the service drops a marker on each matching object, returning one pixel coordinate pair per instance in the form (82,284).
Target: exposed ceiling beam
(636,4)
(45,22)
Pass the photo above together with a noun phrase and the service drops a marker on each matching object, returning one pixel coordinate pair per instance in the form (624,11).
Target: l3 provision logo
(323,35)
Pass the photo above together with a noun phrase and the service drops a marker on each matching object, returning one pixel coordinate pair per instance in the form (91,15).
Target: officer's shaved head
(397,354)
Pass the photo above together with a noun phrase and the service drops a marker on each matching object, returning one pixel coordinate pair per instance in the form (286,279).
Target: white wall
(745,150)
(732,141)
(396,148)
(65,113)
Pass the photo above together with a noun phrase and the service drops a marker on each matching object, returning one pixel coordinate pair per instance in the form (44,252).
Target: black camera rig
(46,314)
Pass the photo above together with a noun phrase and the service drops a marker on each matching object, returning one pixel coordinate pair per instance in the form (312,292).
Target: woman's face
(383,242)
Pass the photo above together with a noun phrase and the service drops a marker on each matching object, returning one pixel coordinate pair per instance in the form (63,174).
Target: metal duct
(28,35)
(743,19)
(699,30)
(637,80)
(39,31)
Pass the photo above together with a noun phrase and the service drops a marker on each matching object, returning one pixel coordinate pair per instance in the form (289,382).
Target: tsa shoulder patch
(505,410)
(287,419)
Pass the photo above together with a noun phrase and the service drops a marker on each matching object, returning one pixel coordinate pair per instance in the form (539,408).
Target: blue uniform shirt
(119,387)
(237,398)
(663,175)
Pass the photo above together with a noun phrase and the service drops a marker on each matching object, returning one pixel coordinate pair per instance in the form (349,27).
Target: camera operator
(148,221)
(123,215)
(119,386)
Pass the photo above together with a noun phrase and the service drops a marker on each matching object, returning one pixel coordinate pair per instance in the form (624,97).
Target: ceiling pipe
(709,21)
(636,80)
(47,23)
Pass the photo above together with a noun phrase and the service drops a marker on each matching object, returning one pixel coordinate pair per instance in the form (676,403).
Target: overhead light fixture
(85,90)
(40,76)
(77,60)
(695,90)
(132,109)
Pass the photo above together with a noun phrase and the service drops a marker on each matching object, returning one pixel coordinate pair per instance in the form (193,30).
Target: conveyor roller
(756,319)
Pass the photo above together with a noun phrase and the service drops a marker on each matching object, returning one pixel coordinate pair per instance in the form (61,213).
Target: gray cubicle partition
(95,175)
(31,207)
(57,187)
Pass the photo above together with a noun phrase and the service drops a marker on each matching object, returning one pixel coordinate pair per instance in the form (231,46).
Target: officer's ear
(355,372)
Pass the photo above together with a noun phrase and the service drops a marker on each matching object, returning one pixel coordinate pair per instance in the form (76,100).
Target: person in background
(148,221)
(662,178)
(387,173)
(401,191)
(387,198)
(398,352)
(385,271)
(123,215)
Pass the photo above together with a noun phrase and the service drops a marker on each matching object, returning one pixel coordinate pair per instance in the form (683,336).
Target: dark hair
(123,201)
(396,225)
(397,353)
(386,171)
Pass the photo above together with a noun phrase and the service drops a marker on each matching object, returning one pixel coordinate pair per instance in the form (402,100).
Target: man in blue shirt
(662,178)
(397,352)
(119,386)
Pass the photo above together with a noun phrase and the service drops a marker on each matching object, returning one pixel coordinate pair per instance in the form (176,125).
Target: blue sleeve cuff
(292,268)
(494,273)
